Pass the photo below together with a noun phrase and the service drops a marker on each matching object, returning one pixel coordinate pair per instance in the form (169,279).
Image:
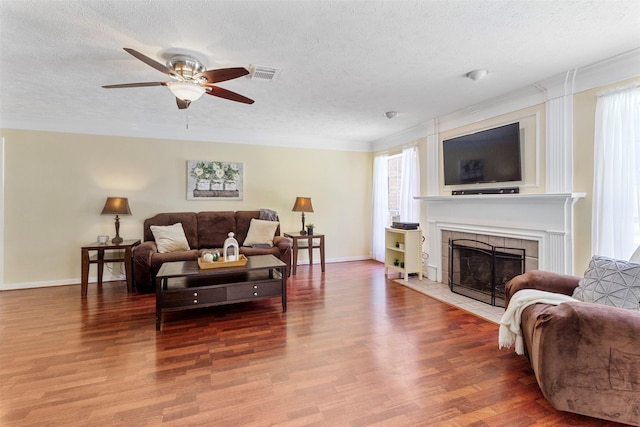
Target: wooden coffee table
(183,285)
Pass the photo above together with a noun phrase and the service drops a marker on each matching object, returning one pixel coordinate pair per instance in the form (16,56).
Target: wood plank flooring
(353,349)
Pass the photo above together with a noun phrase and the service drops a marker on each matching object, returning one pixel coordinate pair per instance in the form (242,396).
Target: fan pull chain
(186,119)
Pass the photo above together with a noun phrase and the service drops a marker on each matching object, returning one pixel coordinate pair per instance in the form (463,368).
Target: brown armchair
(586,356)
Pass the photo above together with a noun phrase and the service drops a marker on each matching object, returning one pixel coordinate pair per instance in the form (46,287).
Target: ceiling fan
(190,79)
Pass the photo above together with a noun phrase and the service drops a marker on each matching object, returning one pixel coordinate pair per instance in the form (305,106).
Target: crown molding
(618,68)
(406,136)
(220,135)
(608,71)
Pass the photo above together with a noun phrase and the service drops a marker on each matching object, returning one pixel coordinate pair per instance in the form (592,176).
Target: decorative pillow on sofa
(261,233)
(170,238)
(611,282)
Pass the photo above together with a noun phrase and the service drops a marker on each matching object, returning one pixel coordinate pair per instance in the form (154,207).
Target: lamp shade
(116,206)
(302,204)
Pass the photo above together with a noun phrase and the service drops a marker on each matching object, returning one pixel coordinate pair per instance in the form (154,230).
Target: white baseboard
(106,278)
(316,260)
(51,283)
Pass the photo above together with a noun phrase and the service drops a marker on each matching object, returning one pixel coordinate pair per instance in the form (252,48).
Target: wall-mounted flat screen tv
(487,156)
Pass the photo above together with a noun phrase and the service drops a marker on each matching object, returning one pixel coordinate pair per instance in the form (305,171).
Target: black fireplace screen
(480,271)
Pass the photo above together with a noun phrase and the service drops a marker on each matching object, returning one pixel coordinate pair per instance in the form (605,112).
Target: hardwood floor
(353,349)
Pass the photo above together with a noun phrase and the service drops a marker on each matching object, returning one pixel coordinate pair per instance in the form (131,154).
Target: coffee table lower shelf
(183,285)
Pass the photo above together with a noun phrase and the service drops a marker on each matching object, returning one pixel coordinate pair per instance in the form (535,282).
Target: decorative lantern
(231,249)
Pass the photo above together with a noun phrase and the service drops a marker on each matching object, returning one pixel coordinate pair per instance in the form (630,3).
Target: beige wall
(56,185)
(584,110)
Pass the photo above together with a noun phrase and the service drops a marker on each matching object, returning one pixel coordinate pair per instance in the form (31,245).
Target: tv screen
(491,155)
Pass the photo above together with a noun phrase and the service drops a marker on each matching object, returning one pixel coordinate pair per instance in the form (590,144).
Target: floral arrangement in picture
(214,180)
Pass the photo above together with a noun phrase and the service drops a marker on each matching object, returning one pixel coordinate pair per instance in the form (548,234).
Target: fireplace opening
(480,271)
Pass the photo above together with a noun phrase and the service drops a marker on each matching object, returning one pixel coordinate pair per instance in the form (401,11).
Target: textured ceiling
(343,63)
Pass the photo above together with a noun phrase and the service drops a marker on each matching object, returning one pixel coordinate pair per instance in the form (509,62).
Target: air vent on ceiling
(260,72)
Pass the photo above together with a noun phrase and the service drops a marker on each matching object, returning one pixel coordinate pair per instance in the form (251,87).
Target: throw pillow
(170,238)
(611,282)
(261,232)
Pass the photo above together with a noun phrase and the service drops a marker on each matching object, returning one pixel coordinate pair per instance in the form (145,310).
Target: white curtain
(616,184)
(410,185)
(380,205)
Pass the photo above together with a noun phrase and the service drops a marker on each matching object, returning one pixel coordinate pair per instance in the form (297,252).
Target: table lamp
(302,204)
(116,206)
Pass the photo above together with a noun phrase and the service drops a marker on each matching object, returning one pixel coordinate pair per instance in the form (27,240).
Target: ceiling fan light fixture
(192,79)
(186,91)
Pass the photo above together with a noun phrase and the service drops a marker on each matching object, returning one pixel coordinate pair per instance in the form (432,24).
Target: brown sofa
(203,230)
(586,356)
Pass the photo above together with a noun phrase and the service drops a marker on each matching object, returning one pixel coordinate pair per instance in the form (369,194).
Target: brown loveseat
(586,356)
(203,230)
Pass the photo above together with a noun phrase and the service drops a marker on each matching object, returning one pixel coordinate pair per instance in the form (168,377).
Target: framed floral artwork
(214,180)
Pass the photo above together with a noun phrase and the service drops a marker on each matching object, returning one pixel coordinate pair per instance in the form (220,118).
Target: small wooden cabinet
(403,252)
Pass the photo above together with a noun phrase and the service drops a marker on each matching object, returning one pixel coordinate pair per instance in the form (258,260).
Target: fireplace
(543,223)
(480,271)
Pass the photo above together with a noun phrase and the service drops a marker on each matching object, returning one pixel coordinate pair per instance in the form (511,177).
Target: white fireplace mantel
(546,218)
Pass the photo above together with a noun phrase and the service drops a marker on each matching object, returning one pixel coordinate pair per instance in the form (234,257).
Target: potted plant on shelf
(310,228)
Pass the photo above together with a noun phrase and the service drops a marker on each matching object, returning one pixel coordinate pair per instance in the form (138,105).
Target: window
(394,168)
(636,207)
(616,186)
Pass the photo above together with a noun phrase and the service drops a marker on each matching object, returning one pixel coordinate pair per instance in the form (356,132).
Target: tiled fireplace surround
(542,224)
(530,247)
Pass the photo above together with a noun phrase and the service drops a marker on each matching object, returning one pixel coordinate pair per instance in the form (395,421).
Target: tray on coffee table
(221,263)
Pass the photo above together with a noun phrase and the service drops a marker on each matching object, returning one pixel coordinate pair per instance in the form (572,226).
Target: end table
(308,238)
(112,255)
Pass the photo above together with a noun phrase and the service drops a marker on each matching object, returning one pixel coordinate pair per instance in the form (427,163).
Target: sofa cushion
(243,222)
(611,282)
(214,227)
(188,220)
(253,250)
(261,233)
(170,238)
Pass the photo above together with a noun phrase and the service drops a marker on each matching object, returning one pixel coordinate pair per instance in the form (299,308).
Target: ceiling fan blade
(151,62)
(223,74)
(135,85)
(182,104)
(227,94)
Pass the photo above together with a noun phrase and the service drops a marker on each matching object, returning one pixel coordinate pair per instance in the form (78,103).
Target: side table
(104,254)
(310,245)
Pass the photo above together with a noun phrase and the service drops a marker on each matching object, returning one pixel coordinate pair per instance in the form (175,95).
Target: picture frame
(215,180)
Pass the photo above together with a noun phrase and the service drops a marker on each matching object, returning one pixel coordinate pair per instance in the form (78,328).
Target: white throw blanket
(510,331)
